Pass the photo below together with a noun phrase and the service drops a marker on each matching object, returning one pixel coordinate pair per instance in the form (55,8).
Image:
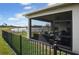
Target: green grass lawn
(28,47)
(4,47)
(24,34)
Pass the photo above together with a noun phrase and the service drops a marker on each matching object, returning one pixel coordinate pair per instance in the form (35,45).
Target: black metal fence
(24,46)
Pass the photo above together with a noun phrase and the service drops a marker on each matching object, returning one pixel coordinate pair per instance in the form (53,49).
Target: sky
(11,13)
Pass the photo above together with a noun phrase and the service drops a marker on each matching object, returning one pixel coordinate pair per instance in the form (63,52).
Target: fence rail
(24,46)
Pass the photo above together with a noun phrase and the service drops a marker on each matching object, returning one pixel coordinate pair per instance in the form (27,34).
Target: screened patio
(63,18)
(61,27)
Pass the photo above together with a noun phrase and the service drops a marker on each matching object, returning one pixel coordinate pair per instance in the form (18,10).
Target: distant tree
(4,24)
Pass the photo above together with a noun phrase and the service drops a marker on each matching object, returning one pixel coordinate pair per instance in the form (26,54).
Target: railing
(24,46)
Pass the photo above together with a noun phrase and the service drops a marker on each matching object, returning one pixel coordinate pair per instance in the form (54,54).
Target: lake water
(19,29)
(27,30)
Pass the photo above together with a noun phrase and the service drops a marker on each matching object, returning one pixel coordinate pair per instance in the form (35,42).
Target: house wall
(76,29)
(75,22)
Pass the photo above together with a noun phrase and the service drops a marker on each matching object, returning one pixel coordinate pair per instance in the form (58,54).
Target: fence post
(2,33)
(11,40)
(20,45)
(55,47)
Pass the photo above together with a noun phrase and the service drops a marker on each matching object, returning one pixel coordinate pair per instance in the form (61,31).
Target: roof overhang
(52,7)
(52,12)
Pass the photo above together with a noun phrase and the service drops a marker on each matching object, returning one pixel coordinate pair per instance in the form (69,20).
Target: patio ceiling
(53,17)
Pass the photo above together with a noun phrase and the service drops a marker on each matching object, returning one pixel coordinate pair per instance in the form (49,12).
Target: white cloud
(27,7)
(18,21)
(11,18)
(22,23)
(49,4)
(17,17)
(25,3)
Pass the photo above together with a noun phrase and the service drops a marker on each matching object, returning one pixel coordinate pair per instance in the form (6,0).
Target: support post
(55,47)
(53,26)
(29,28)
(20,45)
